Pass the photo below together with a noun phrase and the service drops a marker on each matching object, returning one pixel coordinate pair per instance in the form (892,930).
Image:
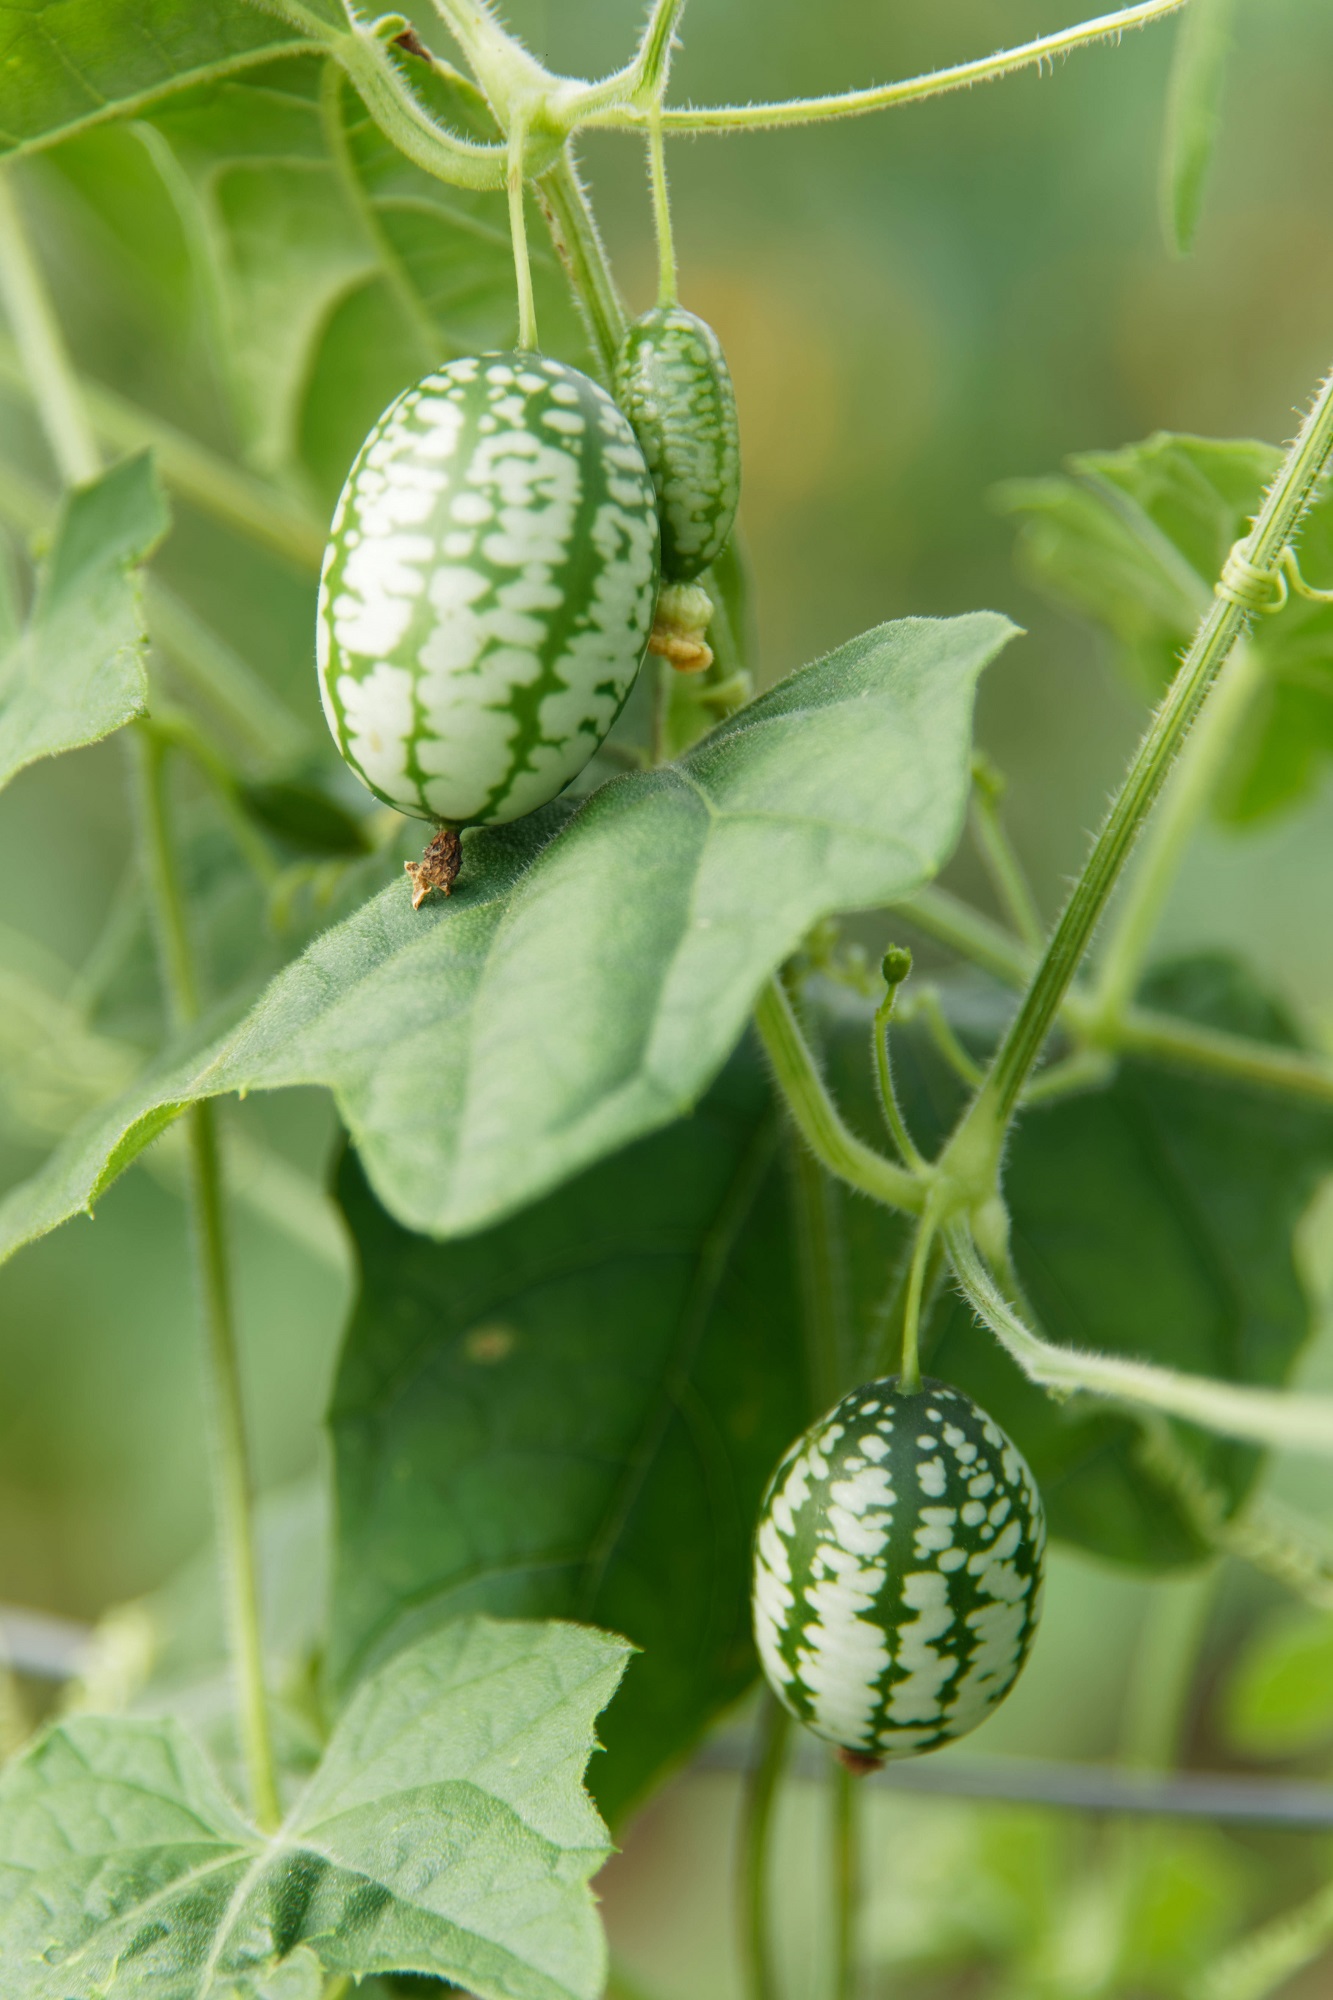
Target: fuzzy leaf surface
(574,1414)
(1135,539)
(446,1832)
(593,969)
(76,670)
(66,65)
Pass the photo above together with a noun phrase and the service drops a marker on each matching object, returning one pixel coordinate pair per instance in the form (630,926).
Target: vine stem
(518,232)
(855,103)
(230,1455)
(1286,501)
(579,247)
(1279,1417)
(70,433)
(817,1117)
(666,246)
(756,1844)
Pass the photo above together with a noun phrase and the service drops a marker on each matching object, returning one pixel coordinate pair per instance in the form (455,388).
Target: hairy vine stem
(761,1792)
(855,103)
(973,1154)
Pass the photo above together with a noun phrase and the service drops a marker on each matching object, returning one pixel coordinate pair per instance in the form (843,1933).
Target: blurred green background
(915,306)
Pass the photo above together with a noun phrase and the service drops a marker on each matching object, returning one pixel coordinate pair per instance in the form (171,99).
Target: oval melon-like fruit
(488,588)
(673,384)
(898,1570)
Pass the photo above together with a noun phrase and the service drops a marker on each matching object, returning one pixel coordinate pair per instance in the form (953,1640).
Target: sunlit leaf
(446,1831)
(76,670)
(593,970)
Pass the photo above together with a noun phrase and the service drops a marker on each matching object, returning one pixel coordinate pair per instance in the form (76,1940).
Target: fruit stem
(761,1790)
(657,180)
(579,247)
(518,232)
(910,1372)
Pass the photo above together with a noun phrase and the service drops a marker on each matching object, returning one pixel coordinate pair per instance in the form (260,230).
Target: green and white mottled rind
(488,588)
(673,384)
(898,1570)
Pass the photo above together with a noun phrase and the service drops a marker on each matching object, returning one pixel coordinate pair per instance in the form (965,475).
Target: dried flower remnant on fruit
(437,868)
(684,613)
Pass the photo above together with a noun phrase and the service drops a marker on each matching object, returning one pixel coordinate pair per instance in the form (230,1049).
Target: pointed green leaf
(76,671)
(575,1414)
(67,65)
(593,970)
(1135,540)
(446,1832)
(1193,115)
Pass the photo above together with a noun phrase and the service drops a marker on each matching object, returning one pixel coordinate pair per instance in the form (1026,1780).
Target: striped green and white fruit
(673,384)
(898,1570)
(488,588)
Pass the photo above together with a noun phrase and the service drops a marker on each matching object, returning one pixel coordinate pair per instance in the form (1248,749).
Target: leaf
(575,1413)
(1155,1218)
(593,969)
(76,671)
(1135,539)
(1193,116)
(66,65)
(1279,1702)
(445,1832)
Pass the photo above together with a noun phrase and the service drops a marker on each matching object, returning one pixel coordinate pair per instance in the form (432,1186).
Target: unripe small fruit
(673,384)
(898,1570)
(488,589)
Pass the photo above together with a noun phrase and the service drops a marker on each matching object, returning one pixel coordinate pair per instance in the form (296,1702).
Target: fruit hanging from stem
(897,1571)
(488,589)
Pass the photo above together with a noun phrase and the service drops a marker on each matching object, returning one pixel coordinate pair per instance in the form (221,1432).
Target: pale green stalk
(1192,785)
(854,103)
(518,234)
(817,1117)
(579,247)
(1277,1417)
(1005,869)
(666,246)
(652,65)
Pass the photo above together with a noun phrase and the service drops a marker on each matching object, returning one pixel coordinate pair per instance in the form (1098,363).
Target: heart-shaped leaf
(446,1831)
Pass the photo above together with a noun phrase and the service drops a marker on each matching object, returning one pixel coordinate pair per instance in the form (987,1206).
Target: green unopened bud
(897,964)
